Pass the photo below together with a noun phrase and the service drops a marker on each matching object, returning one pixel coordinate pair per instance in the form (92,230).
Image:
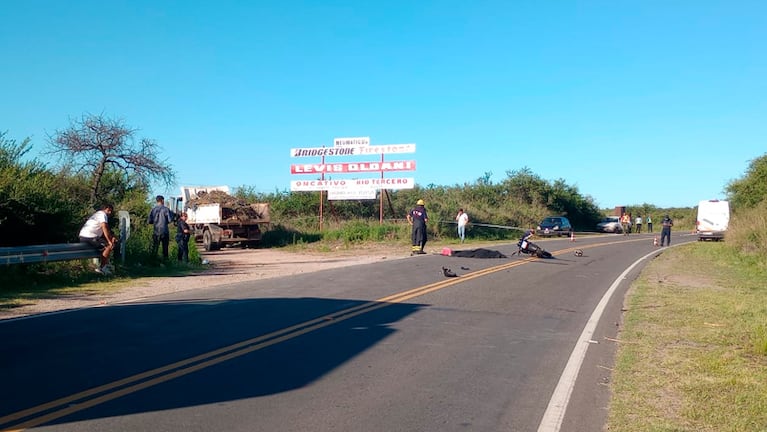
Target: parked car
(554,226)
(610,224)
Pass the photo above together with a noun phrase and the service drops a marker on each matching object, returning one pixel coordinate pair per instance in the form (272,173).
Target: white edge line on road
(555,412)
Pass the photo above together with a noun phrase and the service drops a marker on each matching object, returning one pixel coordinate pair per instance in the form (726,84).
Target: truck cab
(175,204)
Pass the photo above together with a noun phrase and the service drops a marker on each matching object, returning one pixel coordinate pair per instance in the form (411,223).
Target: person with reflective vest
(626,223)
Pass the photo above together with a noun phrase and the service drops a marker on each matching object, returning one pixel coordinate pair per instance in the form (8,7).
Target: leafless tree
(94,145)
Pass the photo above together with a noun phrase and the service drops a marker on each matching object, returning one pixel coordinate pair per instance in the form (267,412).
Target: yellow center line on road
(110,391)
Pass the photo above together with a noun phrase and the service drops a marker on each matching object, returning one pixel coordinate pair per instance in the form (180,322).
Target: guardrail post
(124,232)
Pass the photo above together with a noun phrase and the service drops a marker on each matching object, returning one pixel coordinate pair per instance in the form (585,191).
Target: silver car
(610,224)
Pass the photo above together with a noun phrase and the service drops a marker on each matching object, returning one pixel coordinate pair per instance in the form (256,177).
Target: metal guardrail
(47,253)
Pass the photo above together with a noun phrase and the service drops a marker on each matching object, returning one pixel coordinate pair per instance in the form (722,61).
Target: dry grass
(697,359)
(748,231)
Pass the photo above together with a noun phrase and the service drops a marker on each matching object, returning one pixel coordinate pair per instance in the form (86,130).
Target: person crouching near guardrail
(96,233)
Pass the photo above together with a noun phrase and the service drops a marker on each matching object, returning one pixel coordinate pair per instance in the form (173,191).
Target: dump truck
(219,219)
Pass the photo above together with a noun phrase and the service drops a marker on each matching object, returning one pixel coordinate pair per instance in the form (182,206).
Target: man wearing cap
(160,217)
(417,218)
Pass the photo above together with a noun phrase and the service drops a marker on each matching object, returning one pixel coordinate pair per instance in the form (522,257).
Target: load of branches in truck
(232,208)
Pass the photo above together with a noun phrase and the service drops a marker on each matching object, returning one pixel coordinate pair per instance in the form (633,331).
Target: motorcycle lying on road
(532,249)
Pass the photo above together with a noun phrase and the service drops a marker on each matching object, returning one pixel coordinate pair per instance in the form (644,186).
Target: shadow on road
(56,356)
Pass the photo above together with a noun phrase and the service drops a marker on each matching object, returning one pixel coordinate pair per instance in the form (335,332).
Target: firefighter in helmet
(417,219)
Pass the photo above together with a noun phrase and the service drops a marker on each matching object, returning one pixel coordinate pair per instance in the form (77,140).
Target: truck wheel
(207,241)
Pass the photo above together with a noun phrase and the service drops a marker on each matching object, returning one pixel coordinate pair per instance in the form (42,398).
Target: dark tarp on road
(478,253)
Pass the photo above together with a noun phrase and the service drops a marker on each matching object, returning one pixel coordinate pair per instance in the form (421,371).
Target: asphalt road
(390,346)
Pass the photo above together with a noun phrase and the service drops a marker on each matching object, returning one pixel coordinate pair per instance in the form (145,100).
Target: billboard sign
(369,150)
(351,142)
(351,184)
(352,194)
(352,167)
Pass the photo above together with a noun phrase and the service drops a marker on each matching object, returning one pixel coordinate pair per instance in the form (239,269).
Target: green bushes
(347,232)
(748,231)
(360,230)
(36,207)
(281,235)
(138,249)
(520,200)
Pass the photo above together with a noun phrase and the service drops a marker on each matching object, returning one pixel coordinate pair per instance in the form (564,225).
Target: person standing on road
(462,219)
(183,234)
(417,219)
(665,232)
(626,223)
(649,223)
(160,217)
(96,233)
(638,223)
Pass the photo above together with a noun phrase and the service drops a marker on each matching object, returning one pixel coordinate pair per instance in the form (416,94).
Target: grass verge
(23,285)
(693,353)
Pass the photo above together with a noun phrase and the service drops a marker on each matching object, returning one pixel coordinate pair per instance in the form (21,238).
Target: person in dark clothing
(526,236)
(665,232)
(522,244)
(161,218)
(183,233)
(417,218)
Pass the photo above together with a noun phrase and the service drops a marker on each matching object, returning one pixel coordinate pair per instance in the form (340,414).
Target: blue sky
(629,101)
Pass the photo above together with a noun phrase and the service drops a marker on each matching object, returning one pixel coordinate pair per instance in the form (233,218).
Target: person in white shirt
(638,223)
(96,233)
(462,219)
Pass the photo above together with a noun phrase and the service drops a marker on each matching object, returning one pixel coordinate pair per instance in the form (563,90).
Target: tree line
(99,159)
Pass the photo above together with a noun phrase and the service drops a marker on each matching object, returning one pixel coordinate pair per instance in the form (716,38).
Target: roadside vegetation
(100,160)
(693,349)
(693,352)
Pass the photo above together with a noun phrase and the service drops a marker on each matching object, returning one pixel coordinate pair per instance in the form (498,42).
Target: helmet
(419,202)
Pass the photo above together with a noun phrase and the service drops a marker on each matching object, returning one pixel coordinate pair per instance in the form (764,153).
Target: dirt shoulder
(226,266)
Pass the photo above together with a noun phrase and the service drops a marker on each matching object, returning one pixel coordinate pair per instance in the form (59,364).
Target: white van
(713,218)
